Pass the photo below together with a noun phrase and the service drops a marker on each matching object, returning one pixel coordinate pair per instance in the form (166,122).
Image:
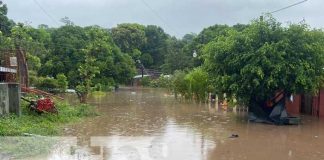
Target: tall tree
(72,45)
(157,45)
(129,36)
(264,59)
(66,52)
(5,23)
(87,71)
(176,59)
(111,62)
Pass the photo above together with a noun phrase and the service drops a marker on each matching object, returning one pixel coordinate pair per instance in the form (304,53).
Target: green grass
(24,147)
(46,124)
(39,127)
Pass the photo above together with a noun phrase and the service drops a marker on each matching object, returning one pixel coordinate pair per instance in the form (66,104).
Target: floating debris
(234,136)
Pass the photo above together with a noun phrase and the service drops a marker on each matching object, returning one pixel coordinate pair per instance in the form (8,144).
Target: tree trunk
(82,97)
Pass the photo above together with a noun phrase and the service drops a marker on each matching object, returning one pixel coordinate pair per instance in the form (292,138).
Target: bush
(58,85)
(179,85)
(192,85)
(48,84)
(163,81)
(104,84)
(146,81)
(62,82)
(198,84)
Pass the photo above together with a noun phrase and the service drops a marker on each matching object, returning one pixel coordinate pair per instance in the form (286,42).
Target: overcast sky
(176,17)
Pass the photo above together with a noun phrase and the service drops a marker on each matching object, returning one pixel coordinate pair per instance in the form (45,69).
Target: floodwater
(149,124)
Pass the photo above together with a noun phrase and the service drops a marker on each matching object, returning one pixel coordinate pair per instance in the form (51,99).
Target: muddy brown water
(149,124)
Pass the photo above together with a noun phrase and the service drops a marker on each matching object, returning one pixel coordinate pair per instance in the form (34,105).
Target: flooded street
(149,124)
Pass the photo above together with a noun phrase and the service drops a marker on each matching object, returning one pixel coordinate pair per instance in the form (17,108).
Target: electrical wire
(45,12)
(158,16)
(295,4)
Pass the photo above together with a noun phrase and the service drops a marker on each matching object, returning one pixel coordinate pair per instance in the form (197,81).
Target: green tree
(146,60)
(210,33)
(156,45)
(5,23)
(66,53)
(136,54)
(5,43)
(265,58)
(67,21)
(62,82)
(70,45)
(176,58)
(111,62)
(197,80)
(198,42)
(129,36)
(41,42)
(179,84)
(87,71)
(34,63)
(189,38)
(48,84)
(19,34)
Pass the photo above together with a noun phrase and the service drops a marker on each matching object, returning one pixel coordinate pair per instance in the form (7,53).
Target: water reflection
(147,124)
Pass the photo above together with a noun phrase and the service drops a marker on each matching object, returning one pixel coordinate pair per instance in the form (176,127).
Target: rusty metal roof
(7,70)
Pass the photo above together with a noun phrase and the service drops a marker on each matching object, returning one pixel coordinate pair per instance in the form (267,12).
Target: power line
(158,16)
(45,12)
(295,4)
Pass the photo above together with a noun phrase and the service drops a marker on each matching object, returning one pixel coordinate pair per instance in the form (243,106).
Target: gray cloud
(177,17)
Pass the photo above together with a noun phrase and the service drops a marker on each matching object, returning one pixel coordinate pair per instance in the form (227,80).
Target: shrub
(48,84)
(179,84)
(146,81)
(198,84)
(62,82)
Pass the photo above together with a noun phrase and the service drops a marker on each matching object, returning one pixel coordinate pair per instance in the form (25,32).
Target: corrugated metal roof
(8,70)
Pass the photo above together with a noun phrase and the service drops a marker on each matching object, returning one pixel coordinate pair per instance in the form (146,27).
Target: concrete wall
(10,98)
(4,99)
(14,98)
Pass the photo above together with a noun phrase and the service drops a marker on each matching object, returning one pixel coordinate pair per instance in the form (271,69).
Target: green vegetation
(190,85)
(146,81)
(197,81)
(164,81)
(54,85)
(250,63)
(265,58)
(179,84)
(26,147)
(32,134)
(44,124)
